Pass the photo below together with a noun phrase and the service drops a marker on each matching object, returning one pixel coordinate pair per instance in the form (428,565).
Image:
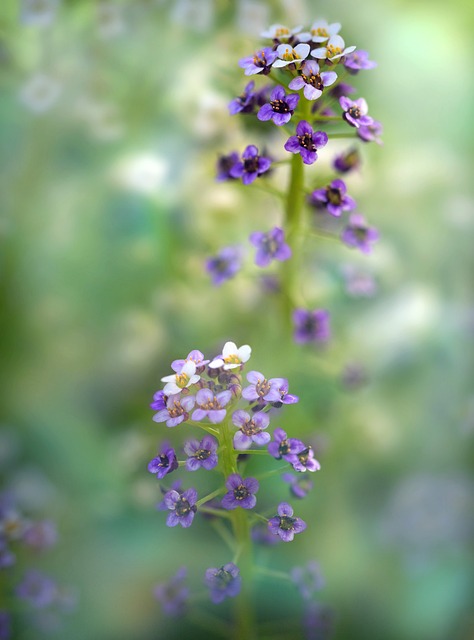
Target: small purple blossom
(5,626)
(201,454)
(225,264)
(306,142)
(284,524)
(312,81)
(224,166)
(261,535)
(182,507)
(223,582)
(244,103)
(211,406)
(41,535)
(347,161)
(270,246)
(252,165)
(355,112)
(283,387)
(300,485)
(173,594)
(308,579)
(159,401)
(358,283)
(260,62)
(7,558)
(175,486)
(37,588)
(311,326)
(176,411)
(260,388)
(341,89)
(164,463)
(358,60)
(333,198)
(304,460)
(282,446)
(357,234)
(251,429)
(241,492)
(371,132)
(280,108)
(195,356)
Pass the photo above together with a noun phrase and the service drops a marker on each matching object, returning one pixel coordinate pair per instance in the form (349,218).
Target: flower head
(312,81)
(241,492)
(173,594)
(311,326)
(304,460)
(320,31)
(285,398)
(284,524)
(347,161)
(357,61)
(225,264)
(261,389)
(308,579)
(176,410)
(300,485)
(280,108)
(333,198)
(270,246)
(232,357)
(41,535)
(164,463)
(335,48)
(182,507)
(224,166)
(37,589)
(159,401)
(260,62)
(252,165)
(244,103)
(355,112)
(306,142)
(357,234)
(38,13)
(179,381)
(201,454)
(251,429)
(282,446)
(223,582)
(280,32)
(371,132)
(195,356)
(211,406)
(291,55)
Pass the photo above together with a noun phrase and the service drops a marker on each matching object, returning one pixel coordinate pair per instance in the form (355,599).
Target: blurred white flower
(252,17)
(40,93)
(38,13)
(144,172)
(197,15)
(110,19)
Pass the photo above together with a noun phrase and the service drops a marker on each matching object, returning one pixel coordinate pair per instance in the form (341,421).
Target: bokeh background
(112,117)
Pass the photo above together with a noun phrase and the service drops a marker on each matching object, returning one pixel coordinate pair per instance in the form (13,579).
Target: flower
(371,132)
(173,594)
(244,103)
(270,246)
(195,356)
(159,401)
(252,165)
(284,525)
(211,406)
(335,48)
(308,579)
(41,535)
(261,388)
(320,31)
(225,164)
(232,356)
(357,234)
(182,507)
(311,326)
(300,485)
(333,198)
(37,588)
(7,558)
(12,524)
(311,81)
(289,55)
(260,62)
(355,112)
(304,460)
(358,283)
(176,486)
(341,89)
(251,429)
(223,583)
(179,381)
(5,626)
(358,60)
(280,108)
(347,161)
(164,463)
(282,446)
(285,397)
(280,32)
(241,492)
(40,93)
(225,264)
(176,411)
(261,535)
(201,454)
(306,142)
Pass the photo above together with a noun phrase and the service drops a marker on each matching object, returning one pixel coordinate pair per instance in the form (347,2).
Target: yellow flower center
(283,31)
(232,359)
(290,54)
(333,51)
(182,380)
(320,31)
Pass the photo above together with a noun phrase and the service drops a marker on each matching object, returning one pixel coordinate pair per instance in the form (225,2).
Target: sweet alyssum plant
(305,97)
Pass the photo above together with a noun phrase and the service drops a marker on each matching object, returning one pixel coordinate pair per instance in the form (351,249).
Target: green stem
(210,496)
(259,452)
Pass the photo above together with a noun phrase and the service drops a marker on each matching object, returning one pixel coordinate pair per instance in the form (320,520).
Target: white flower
(320,31)
(335,48)
(179,381)
(40,93)
(288,54)
(232,356)
(280,32)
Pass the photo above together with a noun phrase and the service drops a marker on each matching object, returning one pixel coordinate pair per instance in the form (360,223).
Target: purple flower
(211,406)
(358,283)
(311,326)
(5,626)
(285,397)
(173,594)
(224,166)
(333,198)
(260,62)
(252,165)
(355,112)
(318,621)
(241,492)
(300,485)
(251,429)
(347,161)
(270,246)
(304,460)
(195,356)
(371,132)
(308,579)
(41,535)
(311,81)
(280,108)
(357,234)
(177,408)
(306,142)
(7,558)
(164,463)
(175,486)
(261,388)
(244,103)
(223,583)
(282,446)
(225,264)
(159,401)
(182,507)
(201,454)
(261,535)
(358,60)
(341,89)
(37,589)
(284,525)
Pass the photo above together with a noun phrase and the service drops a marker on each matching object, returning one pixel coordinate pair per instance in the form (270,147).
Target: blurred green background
(112,117)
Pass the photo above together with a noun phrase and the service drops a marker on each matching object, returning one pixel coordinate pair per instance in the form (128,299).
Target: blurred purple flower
(173,594)
(357,234)
(252,165)
(284,524)
(333,198)
(311,326)
(225,264)
(223,582)
(270,246)
(300,485)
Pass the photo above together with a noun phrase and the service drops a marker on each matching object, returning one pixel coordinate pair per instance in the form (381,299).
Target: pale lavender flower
(176,411)
(5,626)
(311,326)
(306,142)
(12,524)
(41,535)
(211,406)
(335,48)
(355,112)
(333,198)
(341,89)
(308,579)
(164,463)
(260,62)
(223,582)
(7,558)
(244,103)
(37,589)
(252,165)
(251,429)
(283,387)
(261,535)
(225,264)
(40,93)
(357,61)
(284,524)
(312,81)
(358,235)
(371,132)
(179,381)
(241,492)
(195,356)
(282,446)
(201,454)
(291,55)
(261,389)
(173,595)
(182,507)
(358,283)
(270,246)
(300,485)
(304,460)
